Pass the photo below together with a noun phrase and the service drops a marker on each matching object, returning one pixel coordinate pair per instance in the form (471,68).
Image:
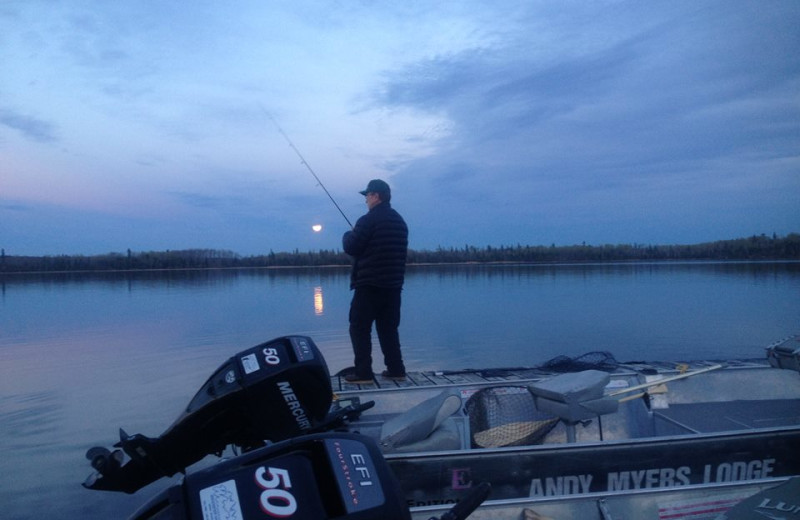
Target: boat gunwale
(604,495)
(518,376)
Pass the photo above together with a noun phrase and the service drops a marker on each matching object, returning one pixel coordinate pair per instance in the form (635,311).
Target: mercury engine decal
(294,405)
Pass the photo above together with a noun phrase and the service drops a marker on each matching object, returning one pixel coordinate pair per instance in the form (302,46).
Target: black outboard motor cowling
(273,391)
(315,477)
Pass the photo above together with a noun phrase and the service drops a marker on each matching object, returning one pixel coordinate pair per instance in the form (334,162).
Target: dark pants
(382,306)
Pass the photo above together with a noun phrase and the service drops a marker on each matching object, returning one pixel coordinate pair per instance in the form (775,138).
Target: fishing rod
(305,163)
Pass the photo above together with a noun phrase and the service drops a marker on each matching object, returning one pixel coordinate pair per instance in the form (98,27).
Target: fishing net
(599,360)
(506,416)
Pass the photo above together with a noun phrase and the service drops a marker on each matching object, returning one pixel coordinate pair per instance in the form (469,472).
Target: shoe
(358,380)
(393,377)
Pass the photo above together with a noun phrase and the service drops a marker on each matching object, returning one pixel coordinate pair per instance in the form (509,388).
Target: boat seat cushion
(575,397)
(420,421)
(572,388)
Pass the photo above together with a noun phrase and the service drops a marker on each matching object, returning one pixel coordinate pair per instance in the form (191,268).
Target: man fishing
(379,245)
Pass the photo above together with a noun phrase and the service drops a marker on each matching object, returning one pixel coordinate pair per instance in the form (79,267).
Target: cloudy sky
(145,124)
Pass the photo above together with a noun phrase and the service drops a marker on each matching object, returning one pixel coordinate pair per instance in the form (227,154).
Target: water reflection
(757,270)
(319,308)
(173,278)
(215,278)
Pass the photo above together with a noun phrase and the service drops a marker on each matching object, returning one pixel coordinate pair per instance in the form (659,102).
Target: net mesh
(599,360)
(506,416)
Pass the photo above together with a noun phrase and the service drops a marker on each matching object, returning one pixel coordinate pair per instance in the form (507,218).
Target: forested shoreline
(754,248)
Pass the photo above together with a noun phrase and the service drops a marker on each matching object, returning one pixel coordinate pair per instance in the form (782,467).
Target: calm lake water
(83,354)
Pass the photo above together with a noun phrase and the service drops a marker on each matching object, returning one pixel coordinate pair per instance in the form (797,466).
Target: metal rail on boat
(685,503)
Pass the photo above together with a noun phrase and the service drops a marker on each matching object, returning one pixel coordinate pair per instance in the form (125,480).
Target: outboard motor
(273,391)
(341,476)
(315,477)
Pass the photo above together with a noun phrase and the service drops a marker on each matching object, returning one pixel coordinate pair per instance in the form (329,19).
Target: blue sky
(143,124)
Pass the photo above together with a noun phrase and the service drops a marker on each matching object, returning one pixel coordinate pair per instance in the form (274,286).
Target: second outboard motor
(273,391)
(314,477)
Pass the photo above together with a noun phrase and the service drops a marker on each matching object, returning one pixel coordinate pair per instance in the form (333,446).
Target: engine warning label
(221,502)
(250,363)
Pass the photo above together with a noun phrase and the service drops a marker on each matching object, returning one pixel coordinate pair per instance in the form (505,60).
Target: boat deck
(523,375)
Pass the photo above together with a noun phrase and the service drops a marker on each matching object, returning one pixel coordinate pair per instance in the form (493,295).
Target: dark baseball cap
(376,186)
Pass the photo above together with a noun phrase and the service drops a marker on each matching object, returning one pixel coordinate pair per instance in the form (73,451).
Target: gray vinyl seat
(574,397)
(424,427)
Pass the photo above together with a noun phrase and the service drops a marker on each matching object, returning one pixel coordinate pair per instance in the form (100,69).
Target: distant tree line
(753,248)
(761,247)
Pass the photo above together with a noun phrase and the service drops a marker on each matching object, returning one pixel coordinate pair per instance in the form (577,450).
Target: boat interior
(439,411)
